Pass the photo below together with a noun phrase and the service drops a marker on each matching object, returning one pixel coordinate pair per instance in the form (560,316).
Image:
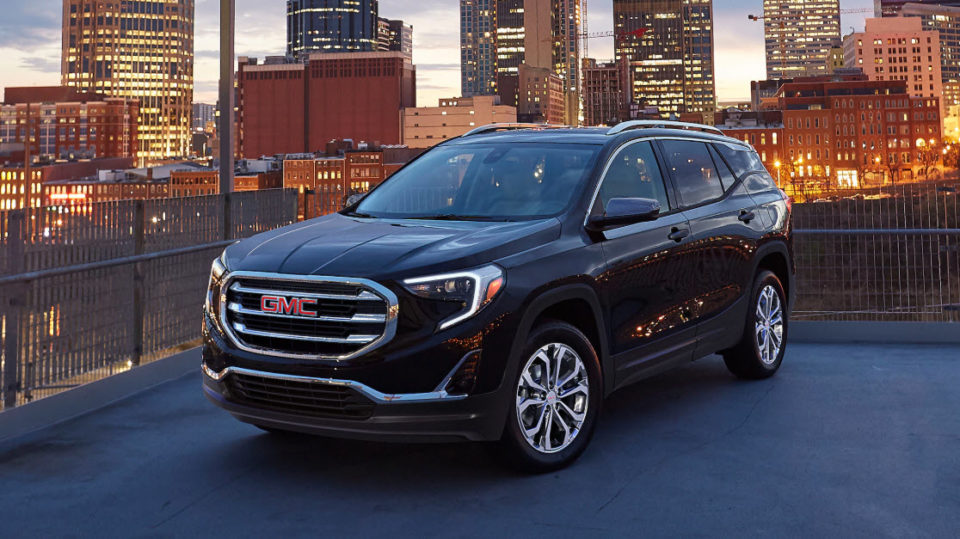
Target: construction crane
(783,19)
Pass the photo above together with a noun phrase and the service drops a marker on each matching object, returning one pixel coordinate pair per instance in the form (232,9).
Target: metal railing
(892,255)
(94,290)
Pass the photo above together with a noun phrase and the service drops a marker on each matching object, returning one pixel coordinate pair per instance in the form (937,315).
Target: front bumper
(424,417)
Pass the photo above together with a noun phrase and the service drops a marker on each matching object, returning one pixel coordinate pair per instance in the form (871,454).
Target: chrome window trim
(606,169)
(367,391)
(384,293)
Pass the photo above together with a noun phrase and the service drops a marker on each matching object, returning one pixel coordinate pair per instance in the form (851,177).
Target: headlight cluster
(213,288)
(472,290)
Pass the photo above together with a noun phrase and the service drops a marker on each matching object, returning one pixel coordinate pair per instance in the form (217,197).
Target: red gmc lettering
(284,305)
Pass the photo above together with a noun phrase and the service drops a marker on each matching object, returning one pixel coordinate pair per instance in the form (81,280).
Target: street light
(776,165)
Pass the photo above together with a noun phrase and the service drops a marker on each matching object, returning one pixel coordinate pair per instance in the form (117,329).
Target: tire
(545,411)
(751,359)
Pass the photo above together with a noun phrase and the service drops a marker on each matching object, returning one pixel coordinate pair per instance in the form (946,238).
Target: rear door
(644,281)
(725,228)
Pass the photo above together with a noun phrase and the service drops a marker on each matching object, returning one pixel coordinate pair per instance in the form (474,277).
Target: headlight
(473,290)
(213,288)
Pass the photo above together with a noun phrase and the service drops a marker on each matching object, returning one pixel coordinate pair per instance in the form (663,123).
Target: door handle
(678,234)
(747,216)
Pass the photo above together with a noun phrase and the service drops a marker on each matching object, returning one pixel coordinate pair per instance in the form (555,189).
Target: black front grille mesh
(300,398)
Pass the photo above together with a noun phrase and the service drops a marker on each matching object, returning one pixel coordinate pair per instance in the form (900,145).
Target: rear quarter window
(741,159)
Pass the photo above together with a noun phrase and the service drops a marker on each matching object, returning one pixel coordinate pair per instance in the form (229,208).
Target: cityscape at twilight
(132,113)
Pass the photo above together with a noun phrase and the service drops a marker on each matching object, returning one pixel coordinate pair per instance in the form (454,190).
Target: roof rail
(493,128)
(665,124)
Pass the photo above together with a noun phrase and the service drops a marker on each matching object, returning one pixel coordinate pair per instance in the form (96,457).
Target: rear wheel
(556,402)
(760,350)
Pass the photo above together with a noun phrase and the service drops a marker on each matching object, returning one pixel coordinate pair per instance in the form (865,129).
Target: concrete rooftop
(847,440)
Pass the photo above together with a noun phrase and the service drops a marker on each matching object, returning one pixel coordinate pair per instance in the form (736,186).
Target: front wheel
(556,402)
(760,351)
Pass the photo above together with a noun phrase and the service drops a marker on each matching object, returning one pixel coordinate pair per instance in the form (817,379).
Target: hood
(342,246)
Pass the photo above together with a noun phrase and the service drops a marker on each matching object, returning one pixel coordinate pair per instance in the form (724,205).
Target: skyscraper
(543,34)
(799,35)
(141,50)
(946,21)
(892,8)
(393,35)
(331,26)
(671,63)
(478,47)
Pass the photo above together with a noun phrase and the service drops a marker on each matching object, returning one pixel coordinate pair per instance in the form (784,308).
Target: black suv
(498,287)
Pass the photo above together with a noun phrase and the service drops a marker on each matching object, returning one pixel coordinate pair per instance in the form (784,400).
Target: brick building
(606,92)
(66,124)
(844,133)
(297,107)
(424,127)
(13,178)
(898,48)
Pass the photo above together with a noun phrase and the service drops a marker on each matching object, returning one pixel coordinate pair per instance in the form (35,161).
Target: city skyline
(30,42)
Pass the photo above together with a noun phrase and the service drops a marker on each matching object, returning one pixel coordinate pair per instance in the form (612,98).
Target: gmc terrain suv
(498,287)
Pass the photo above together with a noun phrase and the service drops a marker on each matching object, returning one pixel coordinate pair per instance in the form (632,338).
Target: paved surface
(845,441)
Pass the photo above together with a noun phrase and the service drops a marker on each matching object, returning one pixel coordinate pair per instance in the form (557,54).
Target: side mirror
(353,200)
(625,211)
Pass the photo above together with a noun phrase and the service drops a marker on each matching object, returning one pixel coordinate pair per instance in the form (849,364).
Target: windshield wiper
(454,217)
(360,215)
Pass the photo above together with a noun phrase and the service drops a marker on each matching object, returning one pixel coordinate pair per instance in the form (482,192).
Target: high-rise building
(394,35)
(478,47)
(897,48)
(668,45)
(140,50)
(606,91)
(892,8)
(542,34)
(65,124)
(331,26)
(945,20)
(799,35)
(328,96)
(203,115)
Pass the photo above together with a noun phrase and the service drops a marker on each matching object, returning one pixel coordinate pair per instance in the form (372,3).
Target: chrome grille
(352,316)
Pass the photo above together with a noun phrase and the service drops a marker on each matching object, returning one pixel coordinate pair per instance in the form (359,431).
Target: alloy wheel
(769,325)
(552,398)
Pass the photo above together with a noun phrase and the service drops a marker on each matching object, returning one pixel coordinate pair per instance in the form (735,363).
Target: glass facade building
(798,36)
(478,47)
(671,65)
(331,26)
(137,49)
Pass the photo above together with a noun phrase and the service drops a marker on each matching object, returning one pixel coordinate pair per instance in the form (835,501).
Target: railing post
(15,265)
(309,204)
(139,239)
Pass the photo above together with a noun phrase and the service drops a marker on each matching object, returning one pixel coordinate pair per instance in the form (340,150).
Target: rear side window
(634,173)
(741,159)
(693,170)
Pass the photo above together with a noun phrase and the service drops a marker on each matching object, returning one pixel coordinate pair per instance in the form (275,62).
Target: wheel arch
(576,304)
(775,257)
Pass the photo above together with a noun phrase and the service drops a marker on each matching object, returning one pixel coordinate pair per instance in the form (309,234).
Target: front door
(646,278)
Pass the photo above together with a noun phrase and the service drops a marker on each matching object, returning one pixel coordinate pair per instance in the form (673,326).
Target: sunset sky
(30,41)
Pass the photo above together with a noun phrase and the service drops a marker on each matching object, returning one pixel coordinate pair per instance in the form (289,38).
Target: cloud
(43,64)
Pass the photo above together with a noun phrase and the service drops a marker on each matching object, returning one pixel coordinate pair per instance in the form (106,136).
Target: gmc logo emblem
(283,305)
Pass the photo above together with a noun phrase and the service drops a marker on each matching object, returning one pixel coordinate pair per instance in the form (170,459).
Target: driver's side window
(634,173)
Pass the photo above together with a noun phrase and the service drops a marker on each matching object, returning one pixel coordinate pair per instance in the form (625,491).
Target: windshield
(484,182)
